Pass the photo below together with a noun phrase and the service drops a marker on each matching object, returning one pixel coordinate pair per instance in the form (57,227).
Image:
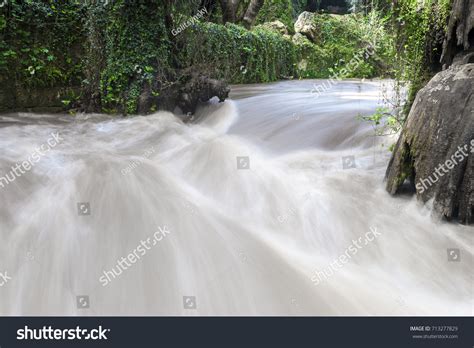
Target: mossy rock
(435,152)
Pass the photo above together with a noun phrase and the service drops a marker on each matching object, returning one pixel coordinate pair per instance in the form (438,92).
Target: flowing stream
(244,211)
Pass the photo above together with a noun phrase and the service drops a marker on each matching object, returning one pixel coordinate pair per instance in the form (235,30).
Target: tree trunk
(209,5)
(229,10)
(252,12)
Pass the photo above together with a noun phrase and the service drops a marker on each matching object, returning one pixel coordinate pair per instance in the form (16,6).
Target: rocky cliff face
(460,32)
(434,154)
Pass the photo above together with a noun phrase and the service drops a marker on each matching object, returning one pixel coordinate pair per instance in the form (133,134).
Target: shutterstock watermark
(459,156)
(49,333)
(351,250)
(135,255)
(21,168)
(353,64)
(194,19)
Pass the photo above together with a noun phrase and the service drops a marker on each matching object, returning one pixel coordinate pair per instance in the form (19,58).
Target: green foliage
(137,48)
(281,10)
(342,41)
(114,50)
(418,48)
(236,54)
(365,6)
(262,55)
(41,43)
(53,43)
(420,28)
(383,121)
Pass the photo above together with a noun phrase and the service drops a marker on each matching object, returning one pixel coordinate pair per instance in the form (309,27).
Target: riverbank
(96,65)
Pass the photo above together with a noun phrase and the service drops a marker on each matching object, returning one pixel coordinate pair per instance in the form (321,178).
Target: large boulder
(436,149)
(305,25)
(434,155)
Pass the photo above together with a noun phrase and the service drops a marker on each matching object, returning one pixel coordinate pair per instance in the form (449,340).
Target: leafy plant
(384,121)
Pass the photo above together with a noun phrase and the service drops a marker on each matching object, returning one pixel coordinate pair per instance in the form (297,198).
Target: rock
(459,33)
(186,94)
(299,39)
(305,25)
(276,26)
(302,65)
(435,150)
(200,88)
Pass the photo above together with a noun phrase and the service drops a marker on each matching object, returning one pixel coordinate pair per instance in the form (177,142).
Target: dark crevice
(408,173)
(454,213)
(470,38)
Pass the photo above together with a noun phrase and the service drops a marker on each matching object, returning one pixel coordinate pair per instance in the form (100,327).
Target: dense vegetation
(39,43)
(420,32)
(102,56)
(419,28)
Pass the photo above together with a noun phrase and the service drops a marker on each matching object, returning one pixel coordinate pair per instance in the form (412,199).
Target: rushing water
(237,241)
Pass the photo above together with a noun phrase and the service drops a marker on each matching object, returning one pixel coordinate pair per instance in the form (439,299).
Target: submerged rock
(434,154)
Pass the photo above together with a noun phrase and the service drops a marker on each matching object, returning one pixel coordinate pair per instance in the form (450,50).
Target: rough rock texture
(305,25)
(300,39)
(460,31)
(435,151)
(276,26)
(200,89)
(186,94)
(439,132)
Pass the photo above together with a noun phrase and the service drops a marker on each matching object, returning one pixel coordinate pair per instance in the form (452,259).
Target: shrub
(281,10)
(136,50)
(240,56)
